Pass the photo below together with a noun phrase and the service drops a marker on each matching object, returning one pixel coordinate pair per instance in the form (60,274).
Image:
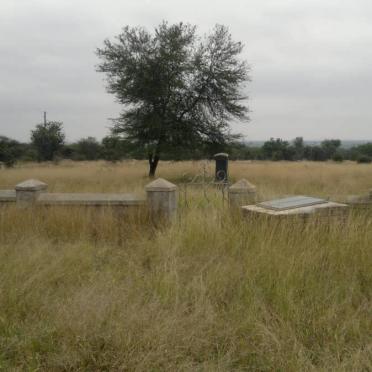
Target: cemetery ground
(86,290)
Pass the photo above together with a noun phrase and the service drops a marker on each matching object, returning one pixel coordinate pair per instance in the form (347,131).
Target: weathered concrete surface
(162,198)
(360,201)
(242,193)
(355,199)
(7,196)
(28,192)
(31,185)
(329,207)
(89,199)
(160,184)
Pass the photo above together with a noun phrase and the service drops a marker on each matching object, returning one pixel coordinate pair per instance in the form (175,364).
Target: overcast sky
(311,62)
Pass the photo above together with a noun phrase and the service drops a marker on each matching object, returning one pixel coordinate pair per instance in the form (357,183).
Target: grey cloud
(310,62)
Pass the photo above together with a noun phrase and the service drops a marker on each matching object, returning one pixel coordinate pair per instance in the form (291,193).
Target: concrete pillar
(242,193)
(162,198)
(27,192)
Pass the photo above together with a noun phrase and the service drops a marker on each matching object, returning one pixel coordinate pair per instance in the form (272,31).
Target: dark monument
(222,161)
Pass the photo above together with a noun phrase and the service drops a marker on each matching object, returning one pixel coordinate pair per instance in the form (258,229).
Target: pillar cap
(31,185)
(221,155)
(160,184)
(242,186)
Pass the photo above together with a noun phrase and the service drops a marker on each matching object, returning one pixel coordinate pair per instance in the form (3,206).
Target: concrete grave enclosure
(161,199)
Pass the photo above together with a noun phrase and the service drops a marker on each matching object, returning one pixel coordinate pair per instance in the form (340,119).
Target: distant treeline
(47,144)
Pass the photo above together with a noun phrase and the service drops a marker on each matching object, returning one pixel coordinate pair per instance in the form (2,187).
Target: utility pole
(45,118)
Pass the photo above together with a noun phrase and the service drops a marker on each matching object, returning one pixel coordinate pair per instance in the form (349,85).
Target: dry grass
(212,292)
(272,178)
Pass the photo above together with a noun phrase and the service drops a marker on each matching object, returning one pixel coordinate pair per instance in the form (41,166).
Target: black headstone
(222,161)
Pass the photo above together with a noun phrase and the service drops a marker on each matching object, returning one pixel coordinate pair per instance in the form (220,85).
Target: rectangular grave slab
(298,206)
(292,202)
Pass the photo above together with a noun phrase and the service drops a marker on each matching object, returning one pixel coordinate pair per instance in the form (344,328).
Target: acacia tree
(47,138)
(178,89)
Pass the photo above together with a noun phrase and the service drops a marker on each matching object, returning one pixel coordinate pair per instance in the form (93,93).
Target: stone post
(27,192)
(242,193)
(162,198)
(370,194)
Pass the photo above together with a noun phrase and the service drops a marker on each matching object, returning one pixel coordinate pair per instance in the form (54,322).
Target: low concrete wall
(7,196)
(161,198)
(90,199)
(360,201)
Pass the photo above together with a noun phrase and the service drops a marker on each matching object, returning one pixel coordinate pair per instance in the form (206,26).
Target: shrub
(338,157)
(364,159)
(10,151)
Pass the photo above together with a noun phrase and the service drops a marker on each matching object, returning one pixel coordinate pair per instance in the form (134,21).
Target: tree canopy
(178,89)
(10,150)
(48,138)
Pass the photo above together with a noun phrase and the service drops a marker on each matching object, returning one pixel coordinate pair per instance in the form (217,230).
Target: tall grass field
(84,290)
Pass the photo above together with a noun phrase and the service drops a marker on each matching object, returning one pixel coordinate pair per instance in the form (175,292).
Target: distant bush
(338,157)
(87,149)
(50,146)
(10,151)
(364,159)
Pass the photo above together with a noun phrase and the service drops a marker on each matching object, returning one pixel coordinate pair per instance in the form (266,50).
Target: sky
(311,62)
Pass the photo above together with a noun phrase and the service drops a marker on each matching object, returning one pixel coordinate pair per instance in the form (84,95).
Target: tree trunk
(153,162)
